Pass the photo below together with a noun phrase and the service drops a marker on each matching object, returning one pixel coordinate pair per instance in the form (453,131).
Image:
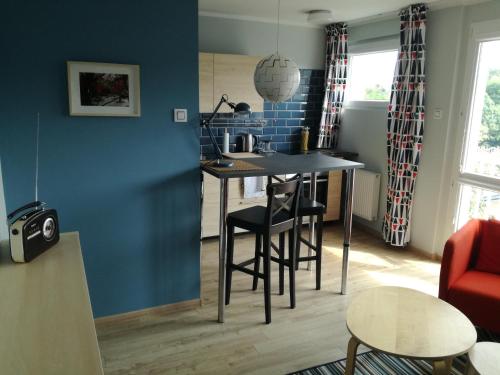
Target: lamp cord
(278,29)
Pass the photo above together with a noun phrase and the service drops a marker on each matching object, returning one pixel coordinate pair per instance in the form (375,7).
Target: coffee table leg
(469,369)
(442,367)
(352,348)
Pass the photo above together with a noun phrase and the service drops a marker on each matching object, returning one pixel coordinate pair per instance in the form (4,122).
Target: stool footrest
(236,267)
(247,262)
(275,248)
(304,259)
(285,262)
(308,244)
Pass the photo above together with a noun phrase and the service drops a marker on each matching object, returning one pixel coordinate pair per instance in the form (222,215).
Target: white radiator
(366,194)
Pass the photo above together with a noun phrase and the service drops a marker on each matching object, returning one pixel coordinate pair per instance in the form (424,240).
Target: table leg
(312,237)
(347,228)
(469,369)
(222,246)
(352,348)
(442,367)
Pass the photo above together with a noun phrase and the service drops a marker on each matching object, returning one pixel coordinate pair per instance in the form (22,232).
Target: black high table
(280,164)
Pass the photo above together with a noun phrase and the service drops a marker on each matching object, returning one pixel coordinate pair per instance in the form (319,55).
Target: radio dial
(49,228)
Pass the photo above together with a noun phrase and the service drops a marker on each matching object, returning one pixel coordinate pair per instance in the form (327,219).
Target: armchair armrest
(457,255)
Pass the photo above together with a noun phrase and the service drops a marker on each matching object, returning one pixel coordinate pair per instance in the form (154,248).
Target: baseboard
(156,310)
(424,253)
(420,252)
(366,228)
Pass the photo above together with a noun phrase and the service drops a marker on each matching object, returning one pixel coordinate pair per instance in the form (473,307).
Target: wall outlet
(180,115)
(438,114)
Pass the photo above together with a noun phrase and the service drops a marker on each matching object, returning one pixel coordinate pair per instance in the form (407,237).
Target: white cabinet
(211,196)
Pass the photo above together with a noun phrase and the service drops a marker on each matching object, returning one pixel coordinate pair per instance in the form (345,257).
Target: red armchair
(470,272)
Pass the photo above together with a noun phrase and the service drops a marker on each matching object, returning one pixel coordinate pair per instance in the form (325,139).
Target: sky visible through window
(371,76)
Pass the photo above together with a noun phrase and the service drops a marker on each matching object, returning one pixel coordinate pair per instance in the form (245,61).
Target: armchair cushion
(489,256)
(477,295)
(457,256)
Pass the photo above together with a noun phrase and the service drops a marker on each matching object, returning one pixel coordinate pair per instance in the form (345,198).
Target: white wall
(305,45)
(443,44)
(364,131)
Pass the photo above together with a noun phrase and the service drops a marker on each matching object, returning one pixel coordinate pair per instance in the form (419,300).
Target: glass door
(479,175)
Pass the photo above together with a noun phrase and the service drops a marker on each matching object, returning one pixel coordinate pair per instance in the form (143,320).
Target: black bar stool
(308,207)
(279,217)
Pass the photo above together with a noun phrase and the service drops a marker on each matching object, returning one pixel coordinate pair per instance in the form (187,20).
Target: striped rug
(375,363)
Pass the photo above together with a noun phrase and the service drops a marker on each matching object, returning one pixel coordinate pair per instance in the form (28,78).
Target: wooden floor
(313,333)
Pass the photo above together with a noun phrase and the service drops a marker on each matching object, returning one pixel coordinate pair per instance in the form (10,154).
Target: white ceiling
(294,12)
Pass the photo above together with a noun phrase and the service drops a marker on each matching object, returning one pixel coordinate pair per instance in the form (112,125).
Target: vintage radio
(33,229)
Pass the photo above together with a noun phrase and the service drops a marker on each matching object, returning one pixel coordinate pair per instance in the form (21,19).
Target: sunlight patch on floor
(362,257)
(404,281)
(425,266)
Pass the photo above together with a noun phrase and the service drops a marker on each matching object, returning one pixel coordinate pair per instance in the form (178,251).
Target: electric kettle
(249,142)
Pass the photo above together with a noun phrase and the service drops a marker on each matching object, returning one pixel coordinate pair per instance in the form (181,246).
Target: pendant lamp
(276,77)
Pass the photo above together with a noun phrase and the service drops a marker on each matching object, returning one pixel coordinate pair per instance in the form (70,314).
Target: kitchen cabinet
(227,74)
(206,82)
(235,202)
(333,196)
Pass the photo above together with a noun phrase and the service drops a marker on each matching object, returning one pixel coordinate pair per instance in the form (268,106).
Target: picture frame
(103,89)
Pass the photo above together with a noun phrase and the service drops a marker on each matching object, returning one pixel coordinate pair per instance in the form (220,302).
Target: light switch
(180,115)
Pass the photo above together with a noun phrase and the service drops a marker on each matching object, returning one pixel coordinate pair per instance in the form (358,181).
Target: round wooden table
(408,323)
(484,359)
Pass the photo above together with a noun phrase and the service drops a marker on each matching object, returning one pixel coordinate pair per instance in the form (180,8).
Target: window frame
(381,46)
(479,32)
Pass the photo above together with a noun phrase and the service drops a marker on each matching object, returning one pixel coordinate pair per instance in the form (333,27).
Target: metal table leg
(312,237)
(347,227)
(222,246)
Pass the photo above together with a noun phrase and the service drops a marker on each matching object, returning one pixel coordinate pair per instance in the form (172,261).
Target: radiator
(366,194)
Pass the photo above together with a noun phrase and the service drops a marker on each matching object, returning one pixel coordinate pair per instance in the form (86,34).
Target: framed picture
(99,89)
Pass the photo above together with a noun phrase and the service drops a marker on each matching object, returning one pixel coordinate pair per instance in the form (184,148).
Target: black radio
(32,230)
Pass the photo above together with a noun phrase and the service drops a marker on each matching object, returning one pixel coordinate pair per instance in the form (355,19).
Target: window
(475,202)
(482,149)
(370,76)
(479,174)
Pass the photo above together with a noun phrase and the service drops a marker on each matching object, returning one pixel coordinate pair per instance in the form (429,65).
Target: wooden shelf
(46,318)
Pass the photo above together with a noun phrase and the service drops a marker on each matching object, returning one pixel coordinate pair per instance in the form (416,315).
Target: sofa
(470,273)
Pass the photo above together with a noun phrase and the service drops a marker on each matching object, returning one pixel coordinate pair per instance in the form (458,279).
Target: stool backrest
(283,202)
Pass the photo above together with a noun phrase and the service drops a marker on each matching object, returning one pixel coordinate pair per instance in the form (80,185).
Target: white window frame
(479,33)
(365,48)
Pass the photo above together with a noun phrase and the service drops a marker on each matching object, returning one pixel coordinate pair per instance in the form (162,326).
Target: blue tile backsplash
(280,123)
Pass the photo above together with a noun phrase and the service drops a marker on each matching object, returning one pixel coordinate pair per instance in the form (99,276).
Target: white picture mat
(75,107)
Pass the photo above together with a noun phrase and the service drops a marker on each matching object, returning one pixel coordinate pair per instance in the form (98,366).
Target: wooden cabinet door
(211,199)
(233,75)
(206,82)
(333,198)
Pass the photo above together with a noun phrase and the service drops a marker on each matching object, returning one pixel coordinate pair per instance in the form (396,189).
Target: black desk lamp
(239,109)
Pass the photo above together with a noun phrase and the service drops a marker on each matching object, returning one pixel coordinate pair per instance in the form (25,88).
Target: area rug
(375,363)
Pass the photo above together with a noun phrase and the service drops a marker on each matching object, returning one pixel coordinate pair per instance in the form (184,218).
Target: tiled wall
(280,123)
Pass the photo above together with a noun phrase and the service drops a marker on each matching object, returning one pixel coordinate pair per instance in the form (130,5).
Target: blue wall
(130,186)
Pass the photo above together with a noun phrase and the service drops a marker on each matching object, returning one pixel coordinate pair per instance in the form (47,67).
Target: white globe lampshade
(276,78)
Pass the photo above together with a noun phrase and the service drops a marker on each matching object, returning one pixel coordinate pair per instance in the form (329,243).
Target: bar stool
(279,217)
(313,209)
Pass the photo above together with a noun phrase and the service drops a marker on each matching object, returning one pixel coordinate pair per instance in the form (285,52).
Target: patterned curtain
(335,80)
(405,127)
